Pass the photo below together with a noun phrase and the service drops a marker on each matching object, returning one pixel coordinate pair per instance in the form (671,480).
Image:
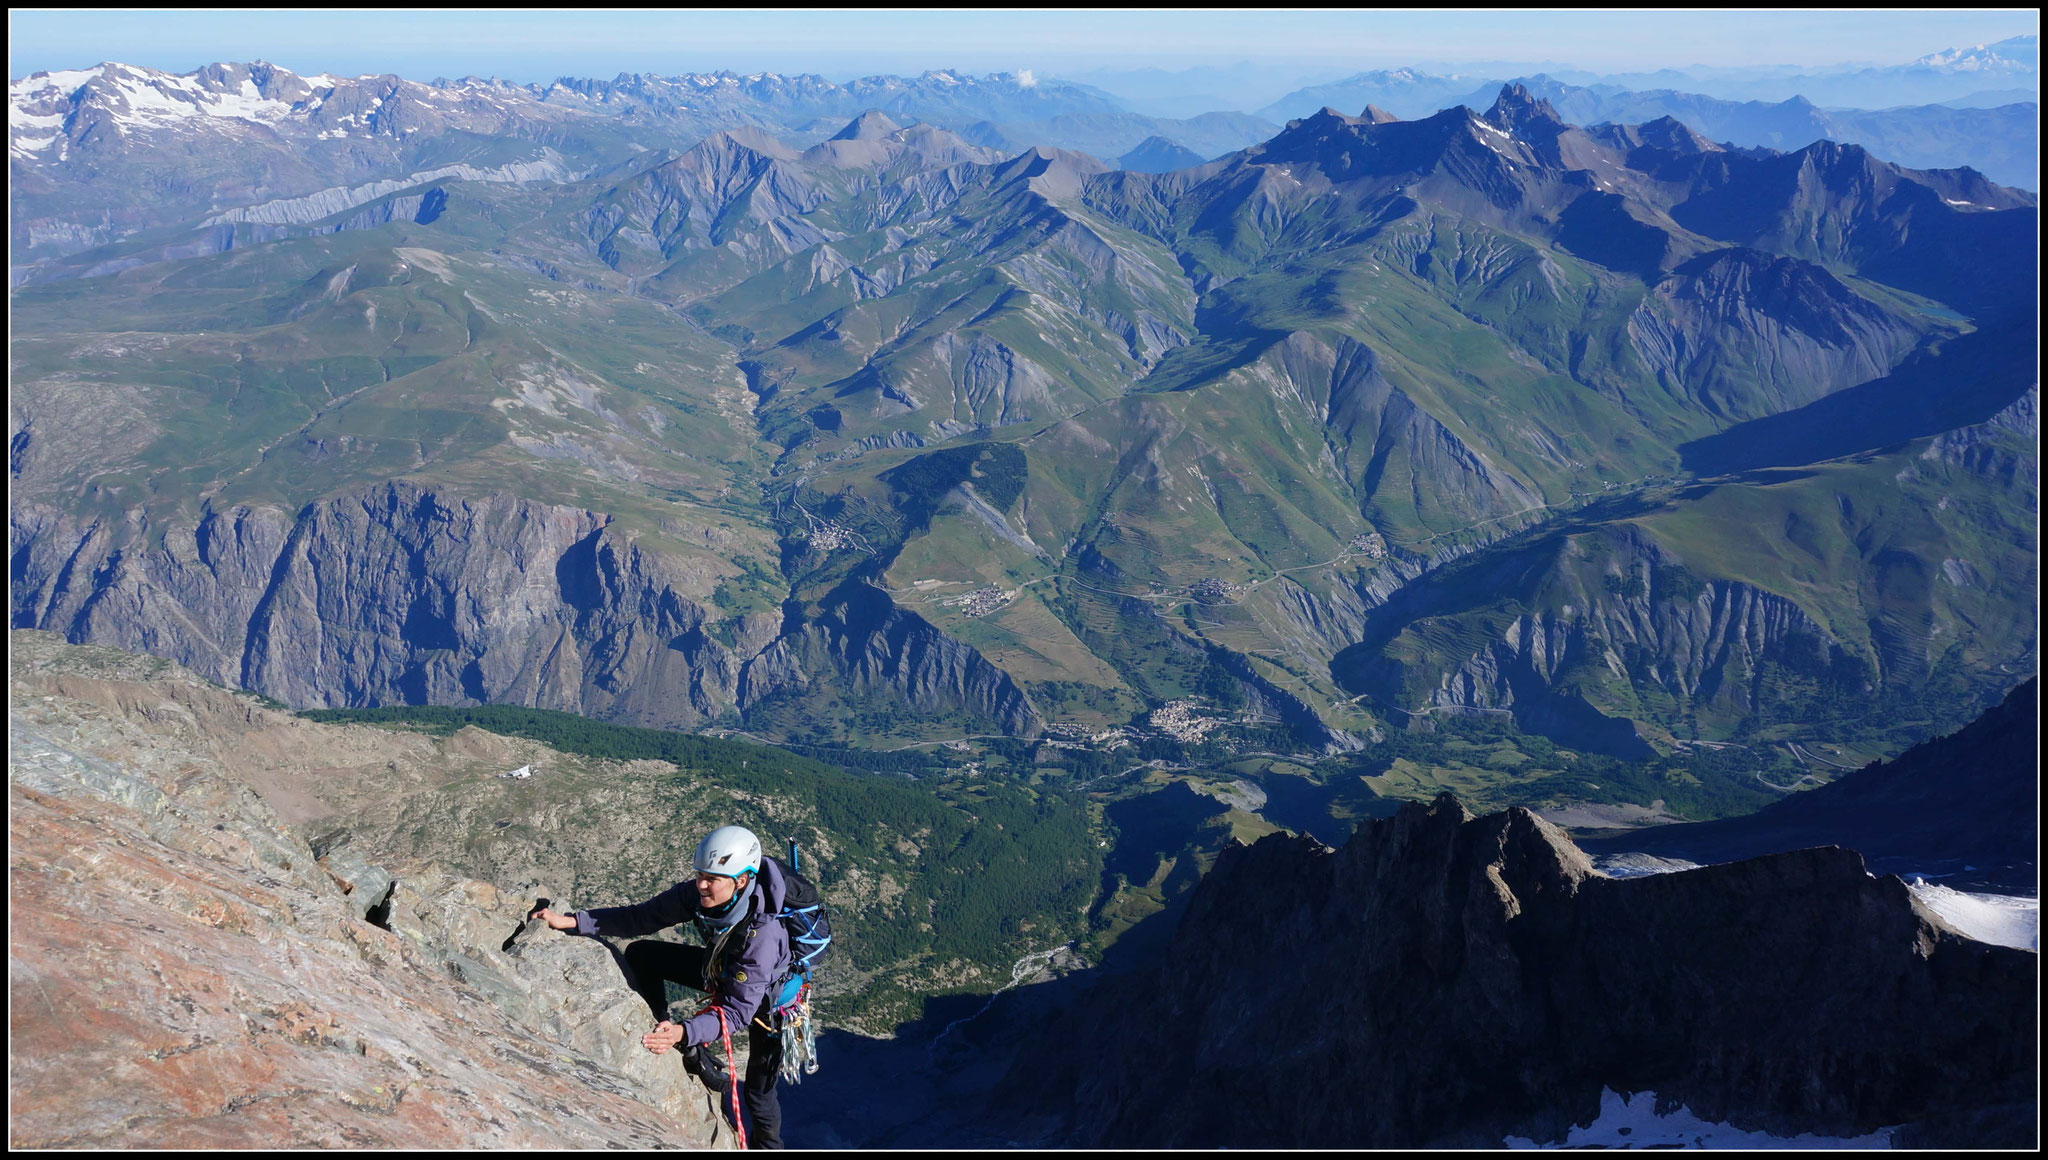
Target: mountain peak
(869,126)
(1322,123)
(1374,115)
(745,137)
(1158,154)
(1668,132)
(1981,57)
(1517,106)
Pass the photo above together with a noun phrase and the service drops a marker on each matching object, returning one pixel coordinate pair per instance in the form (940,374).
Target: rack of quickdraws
(799,1038)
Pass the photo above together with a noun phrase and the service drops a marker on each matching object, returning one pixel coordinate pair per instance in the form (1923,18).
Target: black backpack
(810,929)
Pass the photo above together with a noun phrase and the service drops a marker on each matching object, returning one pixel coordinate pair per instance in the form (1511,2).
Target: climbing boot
(704,1062)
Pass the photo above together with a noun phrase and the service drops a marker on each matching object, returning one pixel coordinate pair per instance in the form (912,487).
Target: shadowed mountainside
(1965,807)
(1461,979)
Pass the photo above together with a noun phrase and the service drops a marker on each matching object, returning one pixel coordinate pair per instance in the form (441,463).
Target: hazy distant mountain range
(1994,132)
(83,144)
(1998,74)
(2009,68)
(255,133)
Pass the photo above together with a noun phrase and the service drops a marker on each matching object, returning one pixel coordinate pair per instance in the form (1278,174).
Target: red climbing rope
(732,1077)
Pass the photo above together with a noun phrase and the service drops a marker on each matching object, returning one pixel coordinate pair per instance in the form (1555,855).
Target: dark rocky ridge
(1970,799)
(1458,980)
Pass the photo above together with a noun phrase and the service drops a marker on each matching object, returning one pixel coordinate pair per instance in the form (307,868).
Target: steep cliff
(1459,979)
(404,594)
(184,972)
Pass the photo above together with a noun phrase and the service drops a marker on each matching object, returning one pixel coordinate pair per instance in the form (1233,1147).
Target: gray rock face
(1462,979)
(1754,334)
(1701,648)
(403,595)
(569,989)
(871,644)
(196,979)
(369,887)
(1644,621)
(328,202)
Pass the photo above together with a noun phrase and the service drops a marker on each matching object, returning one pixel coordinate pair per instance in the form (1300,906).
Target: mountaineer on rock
(746,964)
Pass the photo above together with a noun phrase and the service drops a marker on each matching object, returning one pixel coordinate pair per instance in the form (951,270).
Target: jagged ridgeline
(947,882)
(1627,438)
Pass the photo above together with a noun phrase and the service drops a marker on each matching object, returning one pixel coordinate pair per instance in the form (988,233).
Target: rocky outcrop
(860,637)
(191,976)
(403,595)
(1396,452)
(1571,633)
(1458,980)
(1750,334)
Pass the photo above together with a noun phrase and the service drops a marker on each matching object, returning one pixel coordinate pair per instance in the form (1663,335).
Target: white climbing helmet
(729,850)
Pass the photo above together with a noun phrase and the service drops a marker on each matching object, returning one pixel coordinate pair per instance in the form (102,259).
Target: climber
(745,957)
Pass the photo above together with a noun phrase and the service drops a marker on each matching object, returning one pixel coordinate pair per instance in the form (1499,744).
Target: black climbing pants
(653,963)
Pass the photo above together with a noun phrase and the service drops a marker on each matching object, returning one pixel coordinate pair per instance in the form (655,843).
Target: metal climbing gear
(799,1034)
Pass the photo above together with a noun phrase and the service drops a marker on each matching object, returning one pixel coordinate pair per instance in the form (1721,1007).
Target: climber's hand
(558,921)
(664,1036)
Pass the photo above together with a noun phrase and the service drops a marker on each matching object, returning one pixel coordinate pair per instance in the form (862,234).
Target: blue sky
(532,46)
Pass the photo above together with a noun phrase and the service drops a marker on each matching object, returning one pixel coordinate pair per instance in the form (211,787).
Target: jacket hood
(773,887)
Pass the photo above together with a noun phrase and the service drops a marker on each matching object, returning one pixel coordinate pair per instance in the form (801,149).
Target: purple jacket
(756,955)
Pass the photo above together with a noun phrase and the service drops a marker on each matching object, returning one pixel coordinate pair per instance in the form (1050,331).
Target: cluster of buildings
(1183,721)
(1214,591)
(981,601)
(1371,545)
(830,537)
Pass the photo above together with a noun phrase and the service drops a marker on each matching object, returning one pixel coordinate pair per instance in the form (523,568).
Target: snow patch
(1633,1122)
(1640,865)
(249,105)
(2005,920)
(65,81)
(2002,919)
